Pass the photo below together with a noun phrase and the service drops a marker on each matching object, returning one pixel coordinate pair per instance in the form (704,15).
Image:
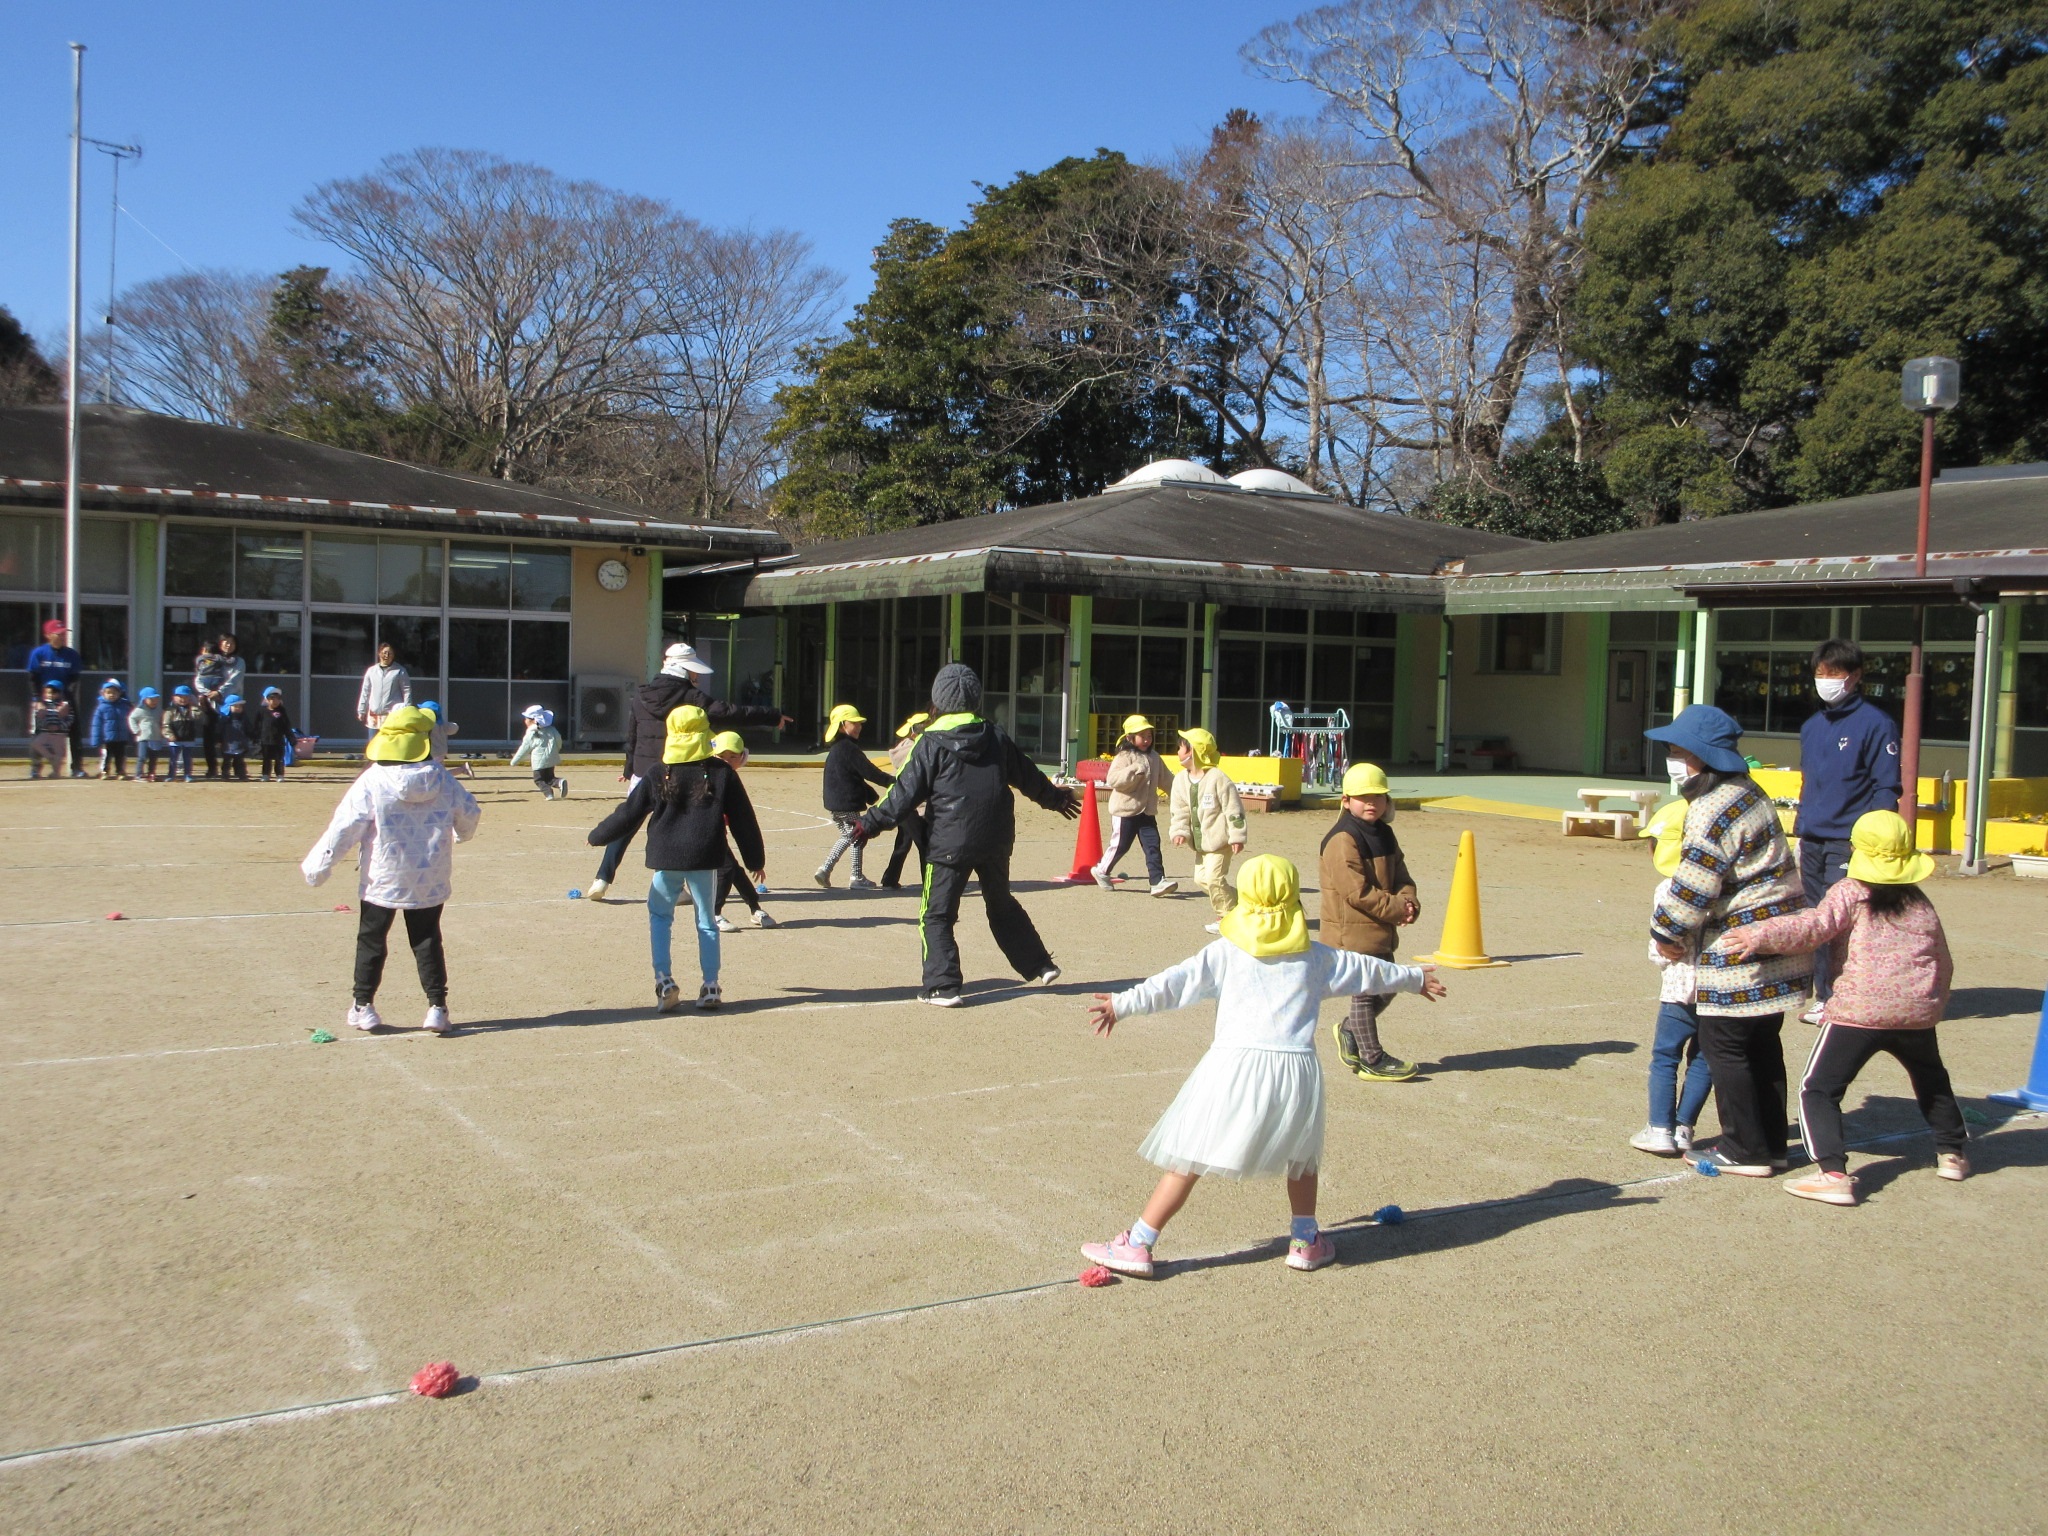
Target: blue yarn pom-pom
(574,894)
(1389,1216)
(1707,1169)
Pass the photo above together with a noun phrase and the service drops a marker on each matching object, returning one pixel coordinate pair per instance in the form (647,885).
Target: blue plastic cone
(2035,1094)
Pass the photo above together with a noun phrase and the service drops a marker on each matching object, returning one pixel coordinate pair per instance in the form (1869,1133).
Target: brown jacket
(1363,896)
(1136,781)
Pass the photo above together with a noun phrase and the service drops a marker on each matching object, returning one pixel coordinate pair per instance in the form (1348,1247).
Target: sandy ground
(206,1217)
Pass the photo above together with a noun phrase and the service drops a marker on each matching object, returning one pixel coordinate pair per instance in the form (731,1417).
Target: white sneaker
(1656,1141)
(725,924)
(709,997)
(668,997)
(823,877)
(596,889)
(1102,880)
(1166,888)
(1212,927)
(363,1016)
(762,919)
(438,1022)
(1047,977)
(1683,1136)
(1817,1015)
(561,789)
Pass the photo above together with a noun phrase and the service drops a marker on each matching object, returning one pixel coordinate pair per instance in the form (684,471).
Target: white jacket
(384,689)
(407,817)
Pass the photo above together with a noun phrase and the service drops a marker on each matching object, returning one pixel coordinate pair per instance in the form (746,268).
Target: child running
(731,749)
(687,804)
(184,729)
(406,814)
(110,731)
(49,732)
(146,720)
(1137,777)
(1891,972)
(272,728)
(1674,1110)
(542,747)
(849,781)
(1205,809)
(1253,1106)
(1368,898)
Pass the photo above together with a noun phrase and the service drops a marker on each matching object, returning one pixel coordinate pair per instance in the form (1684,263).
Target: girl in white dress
(1253,1106)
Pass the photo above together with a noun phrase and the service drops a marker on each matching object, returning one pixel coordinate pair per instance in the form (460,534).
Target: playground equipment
(1463,946)
(1322,744)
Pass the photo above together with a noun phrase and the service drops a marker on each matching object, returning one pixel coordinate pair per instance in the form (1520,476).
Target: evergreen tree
(26,377)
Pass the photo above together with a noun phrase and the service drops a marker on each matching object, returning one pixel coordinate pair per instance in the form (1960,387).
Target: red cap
(54,627)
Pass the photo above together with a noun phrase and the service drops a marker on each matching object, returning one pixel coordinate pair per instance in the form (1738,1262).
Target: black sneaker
(1721,1162)
(942,997)
(1347,1047)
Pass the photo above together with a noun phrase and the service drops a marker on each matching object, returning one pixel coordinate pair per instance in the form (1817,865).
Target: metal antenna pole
(110,380)
(70,615)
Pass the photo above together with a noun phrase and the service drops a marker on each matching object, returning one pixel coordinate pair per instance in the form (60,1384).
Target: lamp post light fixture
(1926,385)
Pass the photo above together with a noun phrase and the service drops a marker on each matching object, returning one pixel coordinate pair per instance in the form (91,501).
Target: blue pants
(1677,1027)
(181,759)
(663,892)
(1823,861)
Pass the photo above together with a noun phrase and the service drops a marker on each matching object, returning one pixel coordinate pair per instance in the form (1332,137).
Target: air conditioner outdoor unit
(601,706)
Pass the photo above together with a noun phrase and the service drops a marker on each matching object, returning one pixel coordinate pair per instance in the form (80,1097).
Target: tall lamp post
(1927,385)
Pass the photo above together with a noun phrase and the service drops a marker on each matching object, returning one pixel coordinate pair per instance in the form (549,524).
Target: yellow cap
(1201,747)
(1668,828)
(842,714)
(1882,851)
(1136,723)
(921,718)
(1267,919)
(689,735)
(402,737)
(1366,779)
(729,741)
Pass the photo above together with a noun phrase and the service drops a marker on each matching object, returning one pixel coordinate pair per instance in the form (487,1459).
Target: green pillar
(781,666)
(956,612)
(1209,611)
(1443,692)
(828,684)
(1705,673)
(1681,682)
(2008,688)
(655,607)
(1595,755)
(1405,651)
(145,642)
(1080,677)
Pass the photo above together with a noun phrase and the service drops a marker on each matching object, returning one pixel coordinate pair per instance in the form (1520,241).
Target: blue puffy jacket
(109,724)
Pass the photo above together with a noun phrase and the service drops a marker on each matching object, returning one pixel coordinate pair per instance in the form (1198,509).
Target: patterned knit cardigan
(1734,869)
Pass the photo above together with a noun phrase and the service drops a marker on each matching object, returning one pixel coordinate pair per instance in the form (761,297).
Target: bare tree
(188,341)
(510,299)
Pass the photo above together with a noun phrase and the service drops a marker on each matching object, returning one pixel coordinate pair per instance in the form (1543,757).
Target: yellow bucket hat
(1882,851)
(1668,828)
(689,735)
(402,737)
(1136,723)
(922,717)
(729,741)
(1267,919)
(1201,746)
(843,714)
(1366,779)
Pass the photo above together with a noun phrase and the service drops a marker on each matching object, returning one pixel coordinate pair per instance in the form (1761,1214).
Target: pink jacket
(1890,972)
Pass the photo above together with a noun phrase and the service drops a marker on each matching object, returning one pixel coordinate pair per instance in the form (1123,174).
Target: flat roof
(131,460)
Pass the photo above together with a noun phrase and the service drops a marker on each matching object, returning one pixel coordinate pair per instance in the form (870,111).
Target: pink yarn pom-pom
(436,1380)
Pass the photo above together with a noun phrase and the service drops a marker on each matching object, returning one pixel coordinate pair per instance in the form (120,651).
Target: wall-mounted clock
(613,575)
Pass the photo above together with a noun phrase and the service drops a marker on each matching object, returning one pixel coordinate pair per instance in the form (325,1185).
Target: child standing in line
(184,729)
(730,749)
(49,732)
(1204,808)
(849,789)
(110,731)
(1891,972)
(687,805)
(910,831)
(1253,1106)
(542,746)
(146,720)
(1137,777)
(272,728)
(407,815)
(1674,1110)
(1368,898)
(233,728)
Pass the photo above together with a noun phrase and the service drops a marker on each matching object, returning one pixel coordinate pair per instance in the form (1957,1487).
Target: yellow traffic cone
(1463,946)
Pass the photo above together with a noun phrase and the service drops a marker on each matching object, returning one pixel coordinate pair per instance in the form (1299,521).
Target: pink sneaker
(1313,1255)
(1120,1254)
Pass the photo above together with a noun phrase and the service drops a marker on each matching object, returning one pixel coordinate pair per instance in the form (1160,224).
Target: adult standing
(386,686)
(1848,764)
(54,661)
(209,682)
(647,733)
(962,771)
(1734,869)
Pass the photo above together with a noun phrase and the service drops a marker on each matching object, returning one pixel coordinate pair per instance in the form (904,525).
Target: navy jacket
(848,773)
(962,771)
(1849,764)
(688,832)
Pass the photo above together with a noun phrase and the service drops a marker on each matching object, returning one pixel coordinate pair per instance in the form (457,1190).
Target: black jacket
(270,731)
(963,776)
(688,832)
(848,773)
(647,721)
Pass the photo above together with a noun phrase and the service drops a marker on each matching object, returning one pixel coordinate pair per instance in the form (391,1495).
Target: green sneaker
(1347,1047)
(1388,1069)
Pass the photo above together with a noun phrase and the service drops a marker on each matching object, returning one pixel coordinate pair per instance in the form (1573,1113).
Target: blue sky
(828,119)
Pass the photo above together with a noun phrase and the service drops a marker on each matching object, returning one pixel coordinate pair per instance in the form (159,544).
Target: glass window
(1163,669)
(2034,621)
(995,674)
(1952,623)
(1332,681)
(1116,665)
(1245,620)
(1118,610)
(408,573)
(1743,624)
(479,711)
(417,641)
(31,553)
(1811,625)
(269,640)
(1286,673)
(331,710)
(184,628)
(1038,663)
(1744,688)
(1159,615)
(479,576)
(477,648)
(198,562)
(343,645)
(541,650)
(2032,707)
(1379,626)
(1286,621)
(1375,678)
(102,555)
(1332,622)
(1885,624)
(540,579)
(1792,696)
(1237,669)
(1524,643)
(103,642)
(344,568)
(1632,628)
(270,567)
(20,633)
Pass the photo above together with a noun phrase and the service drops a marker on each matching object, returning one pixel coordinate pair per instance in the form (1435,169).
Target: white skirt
(1245,1112)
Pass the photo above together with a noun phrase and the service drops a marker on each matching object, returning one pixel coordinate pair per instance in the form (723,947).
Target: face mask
(1676,771)
(1832,690)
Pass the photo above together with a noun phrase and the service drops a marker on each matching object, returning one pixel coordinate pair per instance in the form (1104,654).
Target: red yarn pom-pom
(436,1380)
(1097,1275)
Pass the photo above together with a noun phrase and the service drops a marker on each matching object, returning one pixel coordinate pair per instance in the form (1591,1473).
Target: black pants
(1747,1058)
(1143,830)
(544,780)
(116,759)
(273,761)
(234,765)
(209,739)
(732,878)
(79,721)
(1822,862)
(1841,1052)
(422,932)
(910,833)
(944,884)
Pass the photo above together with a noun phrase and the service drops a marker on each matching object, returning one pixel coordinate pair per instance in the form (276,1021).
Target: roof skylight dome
(1162,470)
(1273,480)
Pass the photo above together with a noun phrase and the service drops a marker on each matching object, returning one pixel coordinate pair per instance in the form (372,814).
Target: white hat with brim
(684,658)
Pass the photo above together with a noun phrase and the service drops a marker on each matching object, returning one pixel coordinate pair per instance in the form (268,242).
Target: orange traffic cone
(1463,946)
(1087,839)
